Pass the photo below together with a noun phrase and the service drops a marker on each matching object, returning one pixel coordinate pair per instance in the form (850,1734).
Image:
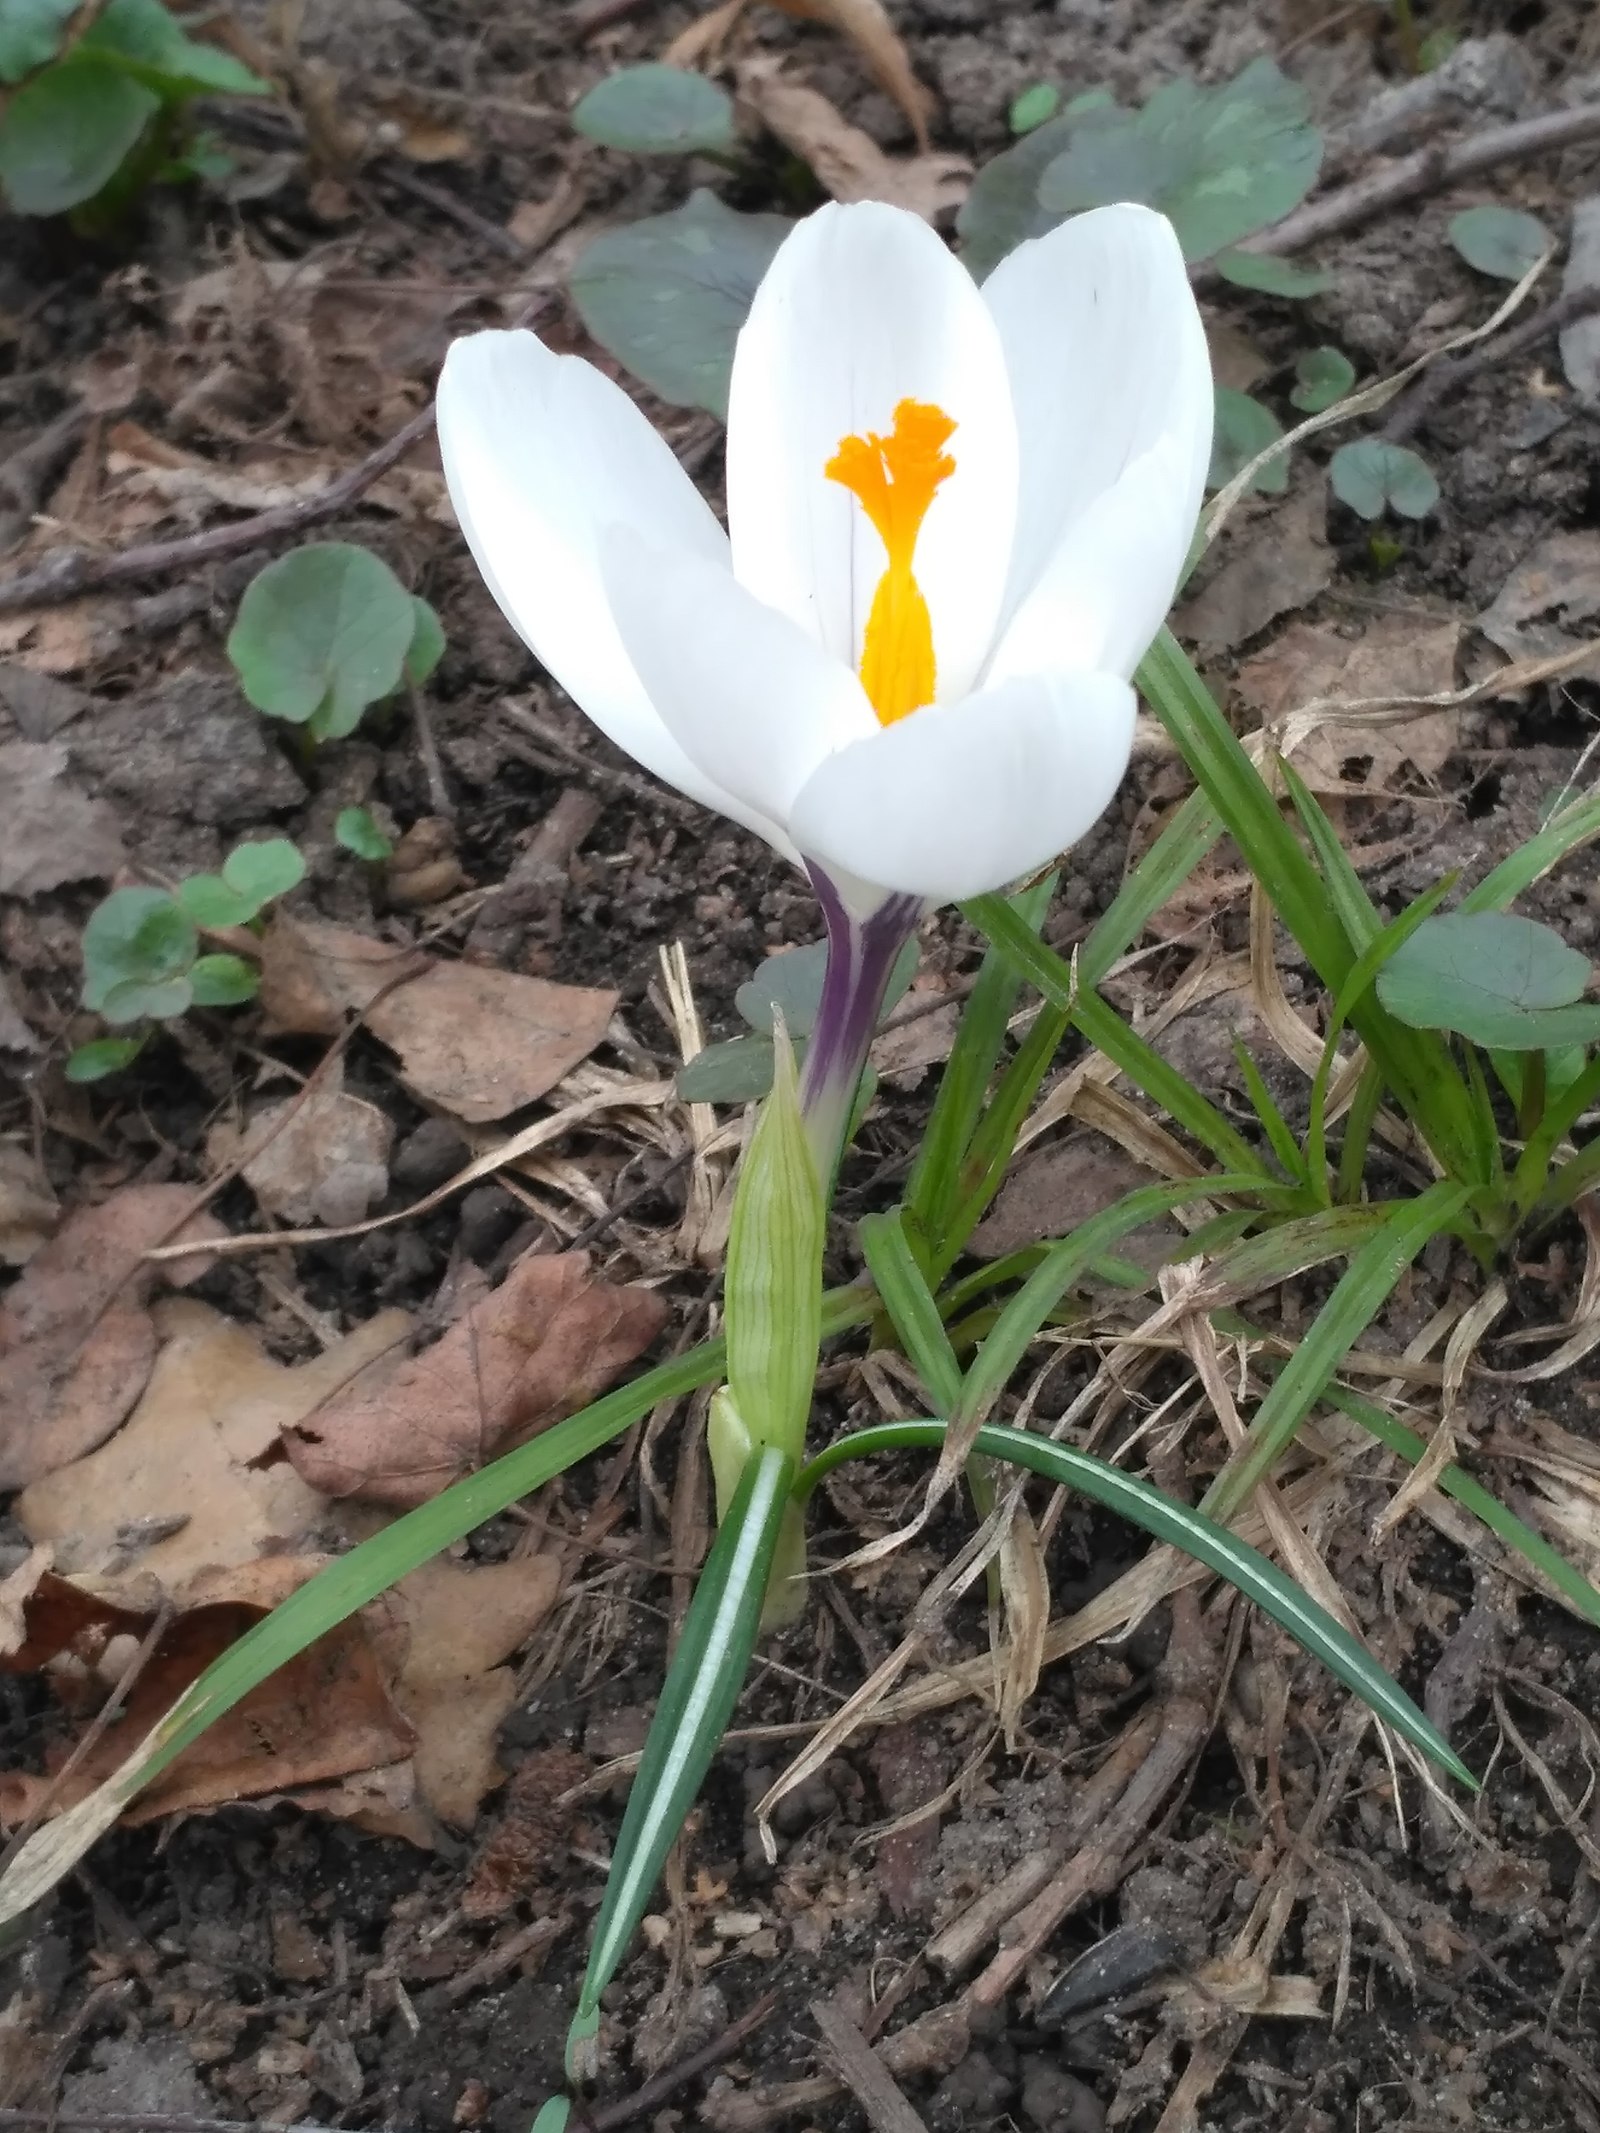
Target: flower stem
(862,952)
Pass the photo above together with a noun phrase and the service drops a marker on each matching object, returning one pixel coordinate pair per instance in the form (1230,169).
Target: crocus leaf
(656,110)
(668,295)
(322,633)
(1322,375)
(1493,977)
(1373,476)
(1502,241)
(1243,428)
(65,134)
(1272,276)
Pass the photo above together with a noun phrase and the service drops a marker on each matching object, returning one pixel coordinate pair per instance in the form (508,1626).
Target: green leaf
(1036,104)
(321,634)
(668,295)
(738,1071)
(252,875)
(1496,979)
(103,1056)
(697,1700)
(355,829)
(427,645)
(1220,163)
(134,937)
(1271,275)
(224,981)
(1322,376)
(1502,241)
(654,110)
(912,1307)
(64,136)
(1002,209)
(147,1000)
(31,33)
(1373,476)
(142,38)
(1243,428)
(554,2116)
(1203,1539)
(790,983)
(207,899)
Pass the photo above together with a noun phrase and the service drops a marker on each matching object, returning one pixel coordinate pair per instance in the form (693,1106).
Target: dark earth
(1305,1940)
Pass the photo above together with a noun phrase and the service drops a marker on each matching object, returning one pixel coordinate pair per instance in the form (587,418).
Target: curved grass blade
(697,1698)
(912,1308)
(1244,1567)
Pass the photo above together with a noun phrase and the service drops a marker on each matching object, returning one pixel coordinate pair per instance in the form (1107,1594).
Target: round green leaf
(134,937)
(134,1000)
(143,39)
(1373,476)
(1322,375)
(103,1056)
(224,981)
(1036,104)
(668,295)
(1502,241)
(1500,980)
(355,829)
(427,642)
(270,867)
(321,634)
(64,136)
(1272,276)
(789,982)
(31,32)
(1243,428)
(654,110)
(208,900)
(738,1071)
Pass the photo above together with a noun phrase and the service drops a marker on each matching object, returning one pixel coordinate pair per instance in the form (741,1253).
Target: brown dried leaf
(200,1444)
(1557,584)
(545,1343)
(1398,656)
(848,162)
(1279,563)
(50,831)
(76,1341)
(28,1208)
(322,1157)
(867,25)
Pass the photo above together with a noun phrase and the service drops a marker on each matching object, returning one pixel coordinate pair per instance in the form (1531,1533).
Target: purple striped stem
(861,959)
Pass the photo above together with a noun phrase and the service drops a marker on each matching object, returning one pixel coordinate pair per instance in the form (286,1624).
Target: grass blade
(697,1698)
(1576,824)
(913,1312)
(1244,1567)
(1359,1295)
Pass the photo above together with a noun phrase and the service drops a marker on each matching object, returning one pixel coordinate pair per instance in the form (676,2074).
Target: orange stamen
(895,479)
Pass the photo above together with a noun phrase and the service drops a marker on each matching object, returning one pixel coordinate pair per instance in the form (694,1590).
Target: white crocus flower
(956,519)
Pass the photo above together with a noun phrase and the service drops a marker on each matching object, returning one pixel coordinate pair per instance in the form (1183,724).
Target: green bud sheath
(773,1284)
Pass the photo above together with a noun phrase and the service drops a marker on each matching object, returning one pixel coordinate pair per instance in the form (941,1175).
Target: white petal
(863,307)
(539,452)
(1104,593)
(1107,359)
(960,798)
(753,700)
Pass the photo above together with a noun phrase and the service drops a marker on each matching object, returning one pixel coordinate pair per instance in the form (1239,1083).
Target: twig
(1448,377)
(1428,170)
(554,752)
(428,748)
(662,2086)
(864,2073)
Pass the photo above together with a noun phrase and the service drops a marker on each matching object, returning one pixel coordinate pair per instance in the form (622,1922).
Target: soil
(265,1962)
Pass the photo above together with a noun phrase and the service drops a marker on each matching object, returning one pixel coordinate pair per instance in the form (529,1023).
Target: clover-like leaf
(143,39)
(1271,275)
(737,1071)
(223,981)
(135,938)
(66,133)
(668,295)
(321,634)
(1037,103)
(657,110)
(252,875)
(356,830)
(1502,241)
(1498,979)
(1373,476)
(1322,376)
(427,645)
(31,34)
(102,1056)
(790,983)
(1243,428)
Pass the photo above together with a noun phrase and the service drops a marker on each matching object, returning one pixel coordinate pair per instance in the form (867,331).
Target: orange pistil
(895,478)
